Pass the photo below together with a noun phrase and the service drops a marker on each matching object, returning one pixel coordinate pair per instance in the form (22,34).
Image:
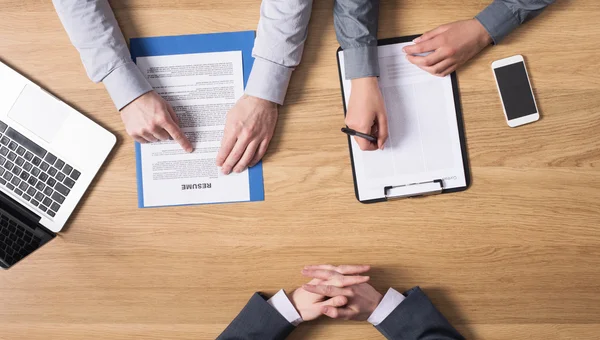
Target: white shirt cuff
(125,84)
(268,81)
(390,301)
(284,306)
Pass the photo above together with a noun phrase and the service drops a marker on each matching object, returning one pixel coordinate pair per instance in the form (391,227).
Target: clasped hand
(340,292)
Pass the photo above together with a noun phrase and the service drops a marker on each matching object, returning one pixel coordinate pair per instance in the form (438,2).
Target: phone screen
(515,90)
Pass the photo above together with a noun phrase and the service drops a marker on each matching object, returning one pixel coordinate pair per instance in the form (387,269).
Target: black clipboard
(459,122)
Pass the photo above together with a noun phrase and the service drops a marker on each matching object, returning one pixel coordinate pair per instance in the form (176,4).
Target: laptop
(49,154)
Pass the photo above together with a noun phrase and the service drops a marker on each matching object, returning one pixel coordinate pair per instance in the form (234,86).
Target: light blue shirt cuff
(268,81)
(361,62)
(498,20)
(390,301)
(284,306)
(125,84)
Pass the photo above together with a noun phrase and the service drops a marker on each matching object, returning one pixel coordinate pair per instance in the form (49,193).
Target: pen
(351,132)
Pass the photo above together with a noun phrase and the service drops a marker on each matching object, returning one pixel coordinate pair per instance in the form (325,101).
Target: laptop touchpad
(39,112)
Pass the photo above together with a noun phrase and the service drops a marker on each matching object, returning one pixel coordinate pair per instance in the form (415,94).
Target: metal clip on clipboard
(413,190)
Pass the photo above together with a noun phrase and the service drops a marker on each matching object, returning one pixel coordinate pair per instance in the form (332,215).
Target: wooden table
(517,256)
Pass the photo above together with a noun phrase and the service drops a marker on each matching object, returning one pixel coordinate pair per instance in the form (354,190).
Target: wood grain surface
(517,256)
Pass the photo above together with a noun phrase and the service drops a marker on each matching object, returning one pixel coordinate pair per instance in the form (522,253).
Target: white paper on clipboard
(424,143)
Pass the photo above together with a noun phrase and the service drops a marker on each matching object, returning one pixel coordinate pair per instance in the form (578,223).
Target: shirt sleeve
(356,23)
(284,306)
(502,16)
(94,31)
(278,47)
(417,318)
(390,301)
(257,320)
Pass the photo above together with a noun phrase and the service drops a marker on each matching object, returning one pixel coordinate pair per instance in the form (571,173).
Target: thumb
(338,313)
(173,115)
(325,310)
(337,301)
(364,144)
(382,130)
(177,135)
(175,131)
(430,34)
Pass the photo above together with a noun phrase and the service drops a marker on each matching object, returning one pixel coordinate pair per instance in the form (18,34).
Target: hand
(149,118)
(366,112)
(451,45)
(248,132)
(309,305)
(362,298)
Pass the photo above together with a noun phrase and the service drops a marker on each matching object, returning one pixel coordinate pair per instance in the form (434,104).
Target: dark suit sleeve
(416,318)
(257,321)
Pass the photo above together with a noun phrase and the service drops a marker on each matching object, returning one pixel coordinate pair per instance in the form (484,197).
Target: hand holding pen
(351,132)
(366,114)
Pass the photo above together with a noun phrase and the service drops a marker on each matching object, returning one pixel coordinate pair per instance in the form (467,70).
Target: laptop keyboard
(33,173)
(16,241)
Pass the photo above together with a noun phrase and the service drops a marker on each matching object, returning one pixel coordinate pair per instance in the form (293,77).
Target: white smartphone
(515,91)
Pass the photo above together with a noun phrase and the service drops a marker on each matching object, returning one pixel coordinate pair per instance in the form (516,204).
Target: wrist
(282,303)
(483,37)
(259,101)
(291,298)
(365,81)
(377,302)
(387,304)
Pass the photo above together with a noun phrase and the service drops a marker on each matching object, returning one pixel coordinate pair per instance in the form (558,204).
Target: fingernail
(404,49)
(416,40)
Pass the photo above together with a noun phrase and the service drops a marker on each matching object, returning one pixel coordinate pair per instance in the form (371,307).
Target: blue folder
(200,43)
